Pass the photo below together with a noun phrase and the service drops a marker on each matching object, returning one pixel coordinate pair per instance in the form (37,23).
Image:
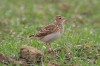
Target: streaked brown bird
(51,32)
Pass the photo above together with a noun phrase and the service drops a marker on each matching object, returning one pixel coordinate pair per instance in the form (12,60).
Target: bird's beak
(67,19)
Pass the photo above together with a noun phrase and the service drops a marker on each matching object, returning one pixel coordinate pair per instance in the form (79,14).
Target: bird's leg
(48,46)
(50,50)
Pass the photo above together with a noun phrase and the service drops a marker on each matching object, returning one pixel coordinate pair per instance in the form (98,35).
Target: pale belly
(52,37)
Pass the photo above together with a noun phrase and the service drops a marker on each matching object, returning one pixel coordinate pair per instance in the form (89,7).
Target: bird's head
(60,19)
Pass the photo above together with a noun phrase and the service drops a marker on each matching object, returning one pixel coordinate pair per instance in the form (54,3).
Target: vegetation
(81,39)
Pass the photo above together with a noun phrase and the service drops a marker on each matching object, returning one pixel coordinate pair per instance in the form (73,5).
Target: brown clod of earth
(8,60)
(31,54)
(3,59)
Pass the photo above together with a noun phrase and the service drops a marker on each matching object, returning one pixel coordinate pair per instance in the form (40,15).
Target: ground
(81,39)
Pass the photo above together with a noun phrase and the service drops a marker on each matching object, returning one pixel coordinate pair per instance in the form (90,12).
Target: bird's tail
(31,36)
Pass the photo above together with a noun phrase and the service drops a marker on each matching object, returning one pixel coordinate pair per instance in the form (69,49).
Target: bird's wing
(51,28)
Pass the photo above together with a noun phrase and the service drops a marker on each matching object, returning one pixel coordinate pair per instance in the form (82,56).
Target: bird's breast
(51,37)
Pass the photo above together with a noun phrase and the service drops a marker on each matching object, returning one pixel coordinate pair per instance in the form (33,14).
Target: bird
(51,32)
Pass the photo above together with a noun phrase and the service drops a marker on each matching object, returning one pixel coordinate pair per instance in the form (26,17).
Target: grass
(20,18)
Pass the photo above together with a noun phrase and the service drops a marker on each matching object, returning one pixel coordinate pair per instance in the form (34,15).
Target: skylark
(52,31)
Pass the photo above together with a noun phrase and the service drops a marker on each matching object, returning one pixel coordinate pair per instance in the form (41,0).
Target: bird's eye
(59,17)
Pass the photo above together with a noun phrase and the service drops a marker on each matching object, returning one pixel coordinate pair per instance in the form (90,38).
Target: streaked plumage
(52,31)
